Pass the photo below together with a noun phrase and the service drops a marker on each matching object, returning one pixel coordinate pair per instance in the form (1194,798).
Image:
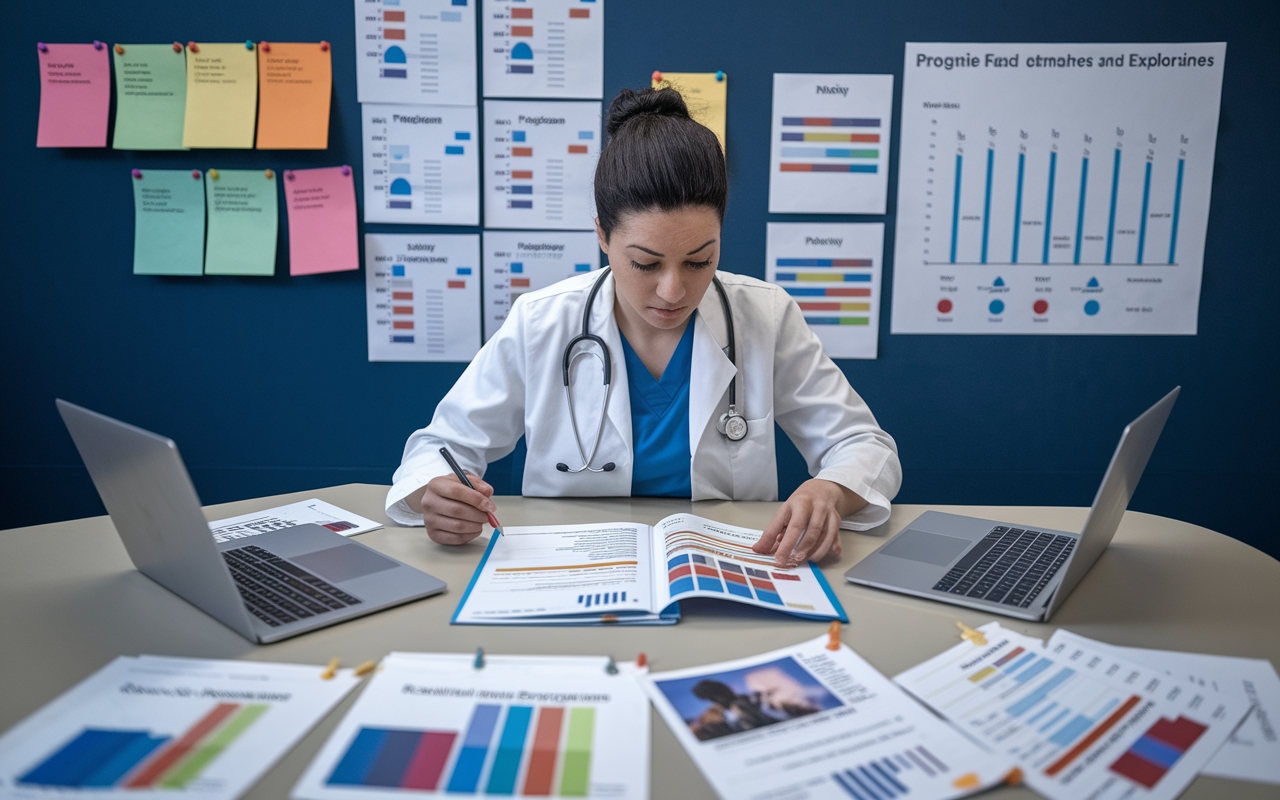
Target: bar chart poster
(149,725)
(416,51)
(417,156)
(832,271)
(543,48)
(422,294)
(434,725)
(1054,188)
(519,262)
(540,158)
(829,143)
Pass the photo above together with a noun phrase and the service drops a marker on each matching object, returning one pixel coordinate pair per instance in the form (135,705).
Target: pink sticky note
(322,220)
(75,94)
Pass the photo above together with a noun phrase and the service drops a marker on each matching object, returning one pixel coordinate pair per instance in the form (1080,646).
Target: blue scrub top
(660,422)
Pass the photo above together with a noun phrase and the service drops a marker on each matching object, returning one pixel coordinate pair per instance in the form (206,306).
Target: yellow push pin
(213,173)
(365,668)
(970,634)
(330,670)
(833,635)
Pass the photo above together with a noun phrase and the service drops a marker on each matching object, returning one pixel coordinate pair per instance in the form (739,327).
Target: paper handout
(518,262)
(295,81)
(554,48)
(148,725)
(416,51)
(807,721)
(706,95)
(151,96)
(421,164)
(75,95)
(314,512)
(243,221)
(525,726)
(168,216)
(222,95)
(322,220)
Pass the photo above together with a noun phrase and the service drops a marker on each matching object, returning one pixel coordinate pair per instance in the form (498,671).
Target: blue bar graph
(1048,206)
(1020,663)
(1111,217)
(1022,706)
(1142,226)
(1177,207)
(506,762)
(1061,715)
(1017,207)
(1084,184)
(986,202)
(1068,733)
(955,208)
(1033,670)
(466,771)
(1041,713)
(359,757)
(393,757)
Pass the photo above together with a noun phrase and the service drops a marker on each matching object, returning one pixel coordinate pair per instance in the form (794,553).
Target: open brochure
(627,573)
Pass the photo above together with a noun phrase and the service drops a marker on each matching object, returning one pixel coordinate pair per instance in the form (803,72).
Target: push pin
(346,170)
(833,635)
(1014,778)
(657,76)
(611,666)
(177,47)
(365,668)
(642,660)
(479,658)
(137,173)
(195,173)
(193,47)
(213,174)
(97,45)
(720,75)
(330,670)
(248,44)
(42,47)
(270,174)
(970,634)
(119,50)
(265,47)
(324,47)
(288,175)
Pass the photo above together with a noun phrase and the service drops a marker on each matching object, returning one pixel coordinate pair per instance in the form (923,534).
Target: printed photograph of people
(719,704)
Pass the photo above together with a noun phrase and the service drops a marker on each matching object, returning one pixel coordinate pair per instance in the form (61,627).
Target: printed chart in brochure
(1054,188)
(416,51)
(423,296)
(519,262)
(421,164)
(832,271)
(543,48)
(829,143)
(540,158)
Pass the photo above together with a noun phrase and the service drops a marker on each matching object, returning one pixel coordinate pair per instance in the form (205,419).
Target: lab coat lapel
(605,326)
(712,370)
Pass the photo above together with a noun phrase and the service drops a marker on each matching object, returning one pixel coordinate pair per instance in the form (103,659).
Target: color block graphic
(1156,751)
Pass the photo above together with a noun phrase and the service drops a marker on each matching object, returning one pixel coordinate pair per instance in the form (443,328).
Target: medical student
(684,411)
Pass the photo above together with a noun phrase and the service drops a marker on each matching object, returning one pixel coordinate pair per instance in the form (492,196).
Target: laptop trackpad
(344,562)
(930,548)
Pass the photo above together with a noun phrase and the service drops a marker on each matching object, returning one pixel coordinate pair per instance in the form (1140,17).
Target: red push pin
(289,175)
(119,50)
(324,47)
(177,47)
(657,76)
(642,660)
(195,173)
(346,170)
(265,47)
(137,173)
(193,47)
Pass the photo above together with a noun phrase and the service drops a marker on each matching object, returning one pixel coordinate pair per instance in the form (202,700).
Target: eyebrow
(660,255)
(704,244)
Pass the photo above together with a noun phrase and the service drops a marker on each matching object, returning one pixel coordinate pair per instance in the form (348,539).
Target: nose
(671,285)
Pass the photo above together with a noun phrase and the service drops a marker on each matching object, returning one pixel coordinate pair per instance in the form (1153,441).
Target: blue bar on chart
(1177,208)
(1022,706)
(986,202)
(506,762)
(1115,191)
(1142,224)
(955,208)
(1048,206)
(1084,183)
(475,747)
(1017,207)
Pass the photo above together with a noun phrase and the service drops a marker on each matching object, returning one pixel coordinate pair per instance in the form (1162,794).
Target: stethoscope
(731,424)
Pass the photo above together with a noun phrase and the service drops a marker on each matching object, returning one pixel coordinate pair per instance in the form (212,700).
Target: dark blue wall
(264,381)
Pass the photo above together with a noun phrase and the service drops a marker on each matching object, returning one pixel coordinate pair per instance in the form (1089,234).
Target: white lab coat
(514,387)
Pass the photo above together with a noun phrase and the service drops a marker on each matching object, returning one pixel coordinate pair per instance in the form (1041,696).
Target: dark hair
(657,157)
(715,691)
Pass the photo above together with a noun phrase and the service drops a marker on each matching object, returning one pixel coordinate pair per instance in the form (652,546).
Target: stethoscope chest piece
(733,425)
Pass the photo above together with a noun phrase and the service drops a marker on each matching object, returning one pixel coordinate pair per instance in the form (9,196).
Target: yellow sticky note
(222,95)
(706,97)
(294,85)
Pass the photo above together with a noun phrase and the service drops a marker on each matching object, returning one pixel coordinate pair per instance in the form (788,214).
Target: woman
(676,387)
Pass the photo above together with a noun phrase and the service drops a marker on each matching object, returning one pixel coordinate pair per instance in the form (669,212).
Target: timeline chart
(829,143)
(832,271)
(540,158)
(543,48)
(422,296)
(519,262)
(416,51)
(1054,188)
(421,164)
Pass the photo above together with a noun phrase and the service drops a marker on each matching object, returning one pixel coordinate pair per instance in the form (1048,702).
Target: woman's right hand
(452,513)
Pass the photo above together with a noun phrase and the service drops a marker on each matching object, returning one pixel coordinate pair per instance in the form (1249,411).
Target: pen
(462,476)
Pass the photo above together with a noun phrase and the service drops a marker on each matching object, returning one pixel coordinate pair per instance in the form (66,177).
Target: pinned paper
(75,95)
(222,95)
(168,231)
(322,220)
(294,85)
(151,96)
(705,93)
(243,220)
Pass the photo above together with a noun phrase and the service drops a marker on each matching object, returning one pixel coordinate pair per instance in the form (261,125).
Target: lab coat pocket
(755,465)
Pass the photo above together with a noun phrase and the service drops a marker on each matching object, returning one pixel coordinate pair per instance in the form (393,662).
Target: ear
(602,239)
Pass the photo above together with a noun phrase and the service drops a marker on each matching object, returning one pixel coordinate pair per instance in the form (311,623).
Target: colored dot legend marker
(1041,306)
(944,306)
(996,307)
(1091,307)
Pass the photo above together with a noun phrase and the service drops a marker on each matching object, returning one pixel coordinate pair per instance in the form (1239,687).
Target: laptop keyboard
(1009,566)
(277,591)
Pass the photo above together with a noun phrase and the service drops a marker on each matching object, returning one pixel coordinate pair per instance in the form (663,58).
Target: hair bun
(664,102)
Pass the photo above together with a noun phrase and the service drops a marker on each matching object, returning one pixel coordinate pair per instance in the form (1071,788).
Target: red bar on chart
(393,16)
(403,325)
(542,761)
(174,752)
(1093,736)
(427,764)
(402,309)
(579,13)
(578,148)
(522,174)
(519,283)
(393,33)
(402,295)
(522,13)
(522,30)
(522,151)
(457,284)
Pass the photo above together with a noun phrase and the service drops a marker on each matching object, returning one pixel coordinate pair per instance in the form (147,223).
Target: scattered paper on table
(168,222)
(222,95)
(423,296)
(416,51)
(244,219)
(295,80)
(313,511)
(829,143)
(75,96)
(151,97)
(519,262)
(554,48)
(706,97)
(322,220)
(421,164)
(832,270)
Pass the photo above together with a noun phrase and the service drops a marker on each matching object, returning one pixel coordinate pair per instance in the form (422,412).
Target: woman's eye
(644,267)
(698,264)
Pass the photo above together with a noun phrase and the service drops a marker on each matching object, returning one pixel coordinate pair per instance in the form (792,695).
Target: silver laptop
(267,587)
(1005,568)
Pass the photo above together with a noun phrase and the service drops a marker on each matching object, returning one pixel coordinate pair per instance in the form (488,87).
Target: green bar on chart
(190,768)
(575,777)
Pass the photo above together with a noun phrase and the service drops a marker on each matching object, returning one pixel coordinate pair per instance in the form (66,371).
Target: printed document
(313,512)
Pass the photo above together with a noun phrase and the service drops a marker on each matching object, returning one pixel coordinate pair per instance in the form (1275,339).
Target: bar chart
(891,776)
(544,48)
(519,262)
(414,158)
(416,51)
(422,294)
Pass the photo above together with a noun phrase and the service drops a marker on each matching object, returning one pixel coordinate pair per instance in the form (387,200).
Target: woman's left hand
(807,527)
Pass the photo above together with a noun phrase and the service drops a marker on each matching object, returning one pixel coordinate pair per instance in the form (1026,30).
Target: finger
(482,487)
(830,527)
(456,490)
(444,537)
(768,541)
(791,537)
(453,525)
(443,507)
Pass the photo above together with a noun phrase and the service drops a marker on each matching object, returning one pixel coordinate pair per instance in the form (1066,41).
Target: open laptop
(1015,570)
(266,588)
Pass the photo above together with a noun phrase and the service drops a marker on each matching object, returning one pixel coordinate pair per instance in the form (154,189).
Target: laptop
(265,588)
(1005,568)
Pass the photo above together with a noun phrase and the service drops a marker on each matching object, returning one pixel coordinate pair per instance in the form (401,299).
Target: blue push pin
(248,44)
(479,658)
(611,667)
(720,75)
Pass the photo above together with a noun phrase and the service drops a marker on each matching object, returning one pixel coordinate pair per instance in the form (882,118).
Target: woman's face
(663,262)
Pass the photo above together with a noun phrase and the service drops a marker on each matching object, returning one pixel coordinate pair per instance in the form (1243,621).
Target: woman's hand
(807,527)
(452,513)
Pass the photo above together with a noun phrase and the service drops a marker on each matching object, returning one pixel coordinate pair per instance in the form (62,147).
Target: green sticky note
(151,96)
(168,222)
(243,220)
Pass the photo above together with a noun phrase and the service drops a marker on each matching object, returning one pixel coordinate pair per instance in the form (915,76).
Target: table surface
(71,601)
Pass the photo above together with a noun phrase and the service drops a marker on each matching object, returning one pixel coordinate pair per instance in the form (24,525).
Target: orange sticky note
(295,81)
(322,220)
(75,95)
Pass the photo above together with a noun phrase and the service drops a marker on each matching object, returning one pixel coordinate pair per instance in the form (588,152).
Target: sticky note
(243,221)
(168,222)
(294,85)
(705,96)
(151,96)
(322,220)
(222,95)
(75,95)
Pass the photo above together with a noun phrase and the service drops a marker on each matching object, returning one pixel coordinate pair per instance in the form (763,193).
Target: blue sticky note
(168,229)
